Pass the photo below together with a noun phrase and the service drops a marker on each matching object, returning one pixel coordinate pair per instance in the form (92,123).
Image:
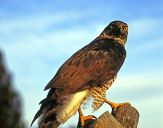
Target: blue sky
(37,36)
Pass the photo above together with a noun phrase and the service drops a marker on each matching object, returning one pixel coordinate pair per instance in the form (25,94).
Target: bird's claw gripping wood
(83,119)
(113,105)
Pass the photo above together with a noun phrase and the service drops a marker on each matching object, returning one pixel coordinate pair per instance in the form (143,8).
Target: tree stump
(125,116)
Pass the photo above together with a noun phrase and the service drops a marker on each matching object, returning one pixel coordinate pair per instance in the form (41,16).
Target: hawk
(87,73)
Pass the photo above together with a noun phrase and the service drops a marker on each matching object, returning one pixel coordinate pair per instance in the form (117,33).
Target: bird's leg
(114,105)
(84,119)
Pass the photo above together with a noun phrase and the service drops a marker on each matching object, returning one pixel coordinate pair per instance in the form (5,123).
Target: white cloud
(145,47)
(39,21)
(136,87)
(145,38)
(151,112)
(145,26)
(139,79)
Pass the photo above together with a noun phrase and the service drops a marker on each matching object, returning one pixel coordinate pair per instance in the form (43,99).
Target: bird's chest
(99,92)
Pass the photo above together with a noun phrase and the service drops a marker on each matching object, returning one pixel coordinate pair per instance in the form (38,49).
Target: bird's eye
(125,28)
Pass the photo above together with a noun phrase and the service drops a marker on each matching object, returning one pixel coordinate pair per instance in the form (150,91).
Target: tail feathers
(36,116)
(56,110)
(50,124)
(47,112)
(48,120)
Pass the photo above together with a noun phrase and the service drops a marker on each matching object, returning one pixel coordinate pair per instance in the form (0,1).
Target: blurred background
(37,36)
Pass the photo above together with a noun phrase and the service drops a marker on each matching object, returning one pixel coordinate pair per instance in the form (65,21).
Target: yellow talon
(83,119)
(114,105)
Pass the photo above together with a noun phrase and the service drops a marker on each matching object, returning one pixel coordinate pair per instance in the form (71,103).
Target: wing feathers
(88,64)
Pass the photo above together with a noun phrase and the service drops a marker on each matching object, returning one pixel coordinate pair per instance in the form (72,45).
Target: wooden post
(106,120)
(125,116)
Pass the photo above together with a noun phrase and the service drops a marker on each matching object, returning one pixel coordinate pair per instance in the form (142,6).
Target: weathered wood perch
(124,116)
(127,116)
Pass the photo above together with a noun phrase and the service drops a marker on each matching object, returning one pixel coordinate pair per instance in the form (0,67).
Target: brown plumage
(89,72)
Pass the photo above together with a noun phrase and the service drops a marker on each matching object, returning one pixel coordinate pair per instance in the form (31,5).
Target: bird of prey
(87,73)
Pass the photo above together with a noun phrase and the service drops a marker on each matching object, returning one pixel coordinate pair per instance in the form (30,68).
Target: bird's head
(116,30)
